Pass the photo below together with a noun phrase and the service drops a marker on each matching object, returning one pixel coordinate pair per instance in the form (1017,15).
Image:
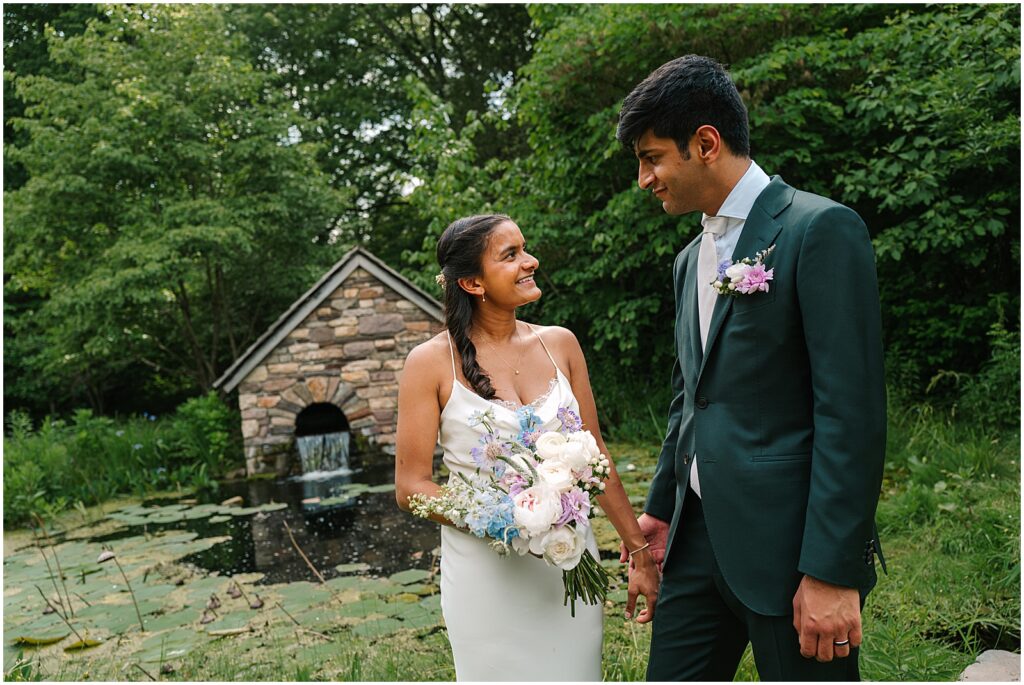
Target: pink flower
(755,279)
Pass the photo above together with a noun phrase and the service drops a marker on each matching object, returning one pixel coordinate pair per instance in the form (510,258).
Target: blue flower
(722,266)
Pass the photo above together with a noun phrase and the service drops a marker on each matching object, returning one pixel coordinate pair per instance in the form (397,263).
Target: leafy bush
(205,431)
(992,397)
(89,459)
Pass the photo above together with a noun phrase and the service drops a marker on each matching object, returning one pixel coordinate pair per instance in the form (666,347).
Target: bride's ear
(471,286)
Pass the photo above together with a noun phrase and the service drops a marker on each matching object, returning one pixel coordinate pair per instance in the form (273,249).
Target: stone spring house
(331,362)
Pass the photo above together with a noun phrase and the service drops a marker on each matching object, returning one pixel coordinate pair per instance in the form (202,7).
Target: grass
(949,523)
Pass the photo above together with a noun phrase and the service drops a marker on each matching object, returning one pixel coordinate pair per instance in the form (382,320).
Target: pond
(224,565)
(341,519)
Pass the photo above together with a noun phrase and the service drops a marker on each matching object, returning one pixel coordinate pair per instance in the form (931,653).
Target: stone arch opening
(323,439)
(320,418)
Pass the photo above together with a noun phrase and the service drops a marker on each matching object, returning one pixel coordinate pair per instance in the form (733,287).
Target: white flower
(586,439)
(556,474)
(549,445)
(564,546)
(537,508)
(574,455)
(737,271)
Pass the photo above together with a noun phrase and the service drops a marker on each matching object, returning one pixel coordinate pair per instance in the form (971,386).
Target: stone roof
(313,298)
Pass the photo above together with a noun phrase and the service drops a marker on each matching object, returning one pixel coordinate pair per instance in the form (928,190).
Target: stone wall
(348,352)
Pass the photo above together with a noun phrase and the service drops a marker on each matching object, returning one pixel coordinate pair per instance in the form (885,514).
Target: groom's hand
(656,533)
(824,614)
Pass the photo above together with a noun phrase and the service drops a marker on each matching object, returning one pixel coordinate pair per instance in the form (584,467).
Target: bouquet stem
(587,581)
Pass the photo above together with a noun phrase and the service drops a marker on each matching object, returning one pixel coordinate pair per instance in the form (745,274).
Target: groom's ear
(471,285)
(708,142)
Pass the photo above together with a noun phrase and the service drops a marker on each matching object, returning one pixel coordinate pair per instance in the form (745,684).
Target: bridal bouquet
(532,493)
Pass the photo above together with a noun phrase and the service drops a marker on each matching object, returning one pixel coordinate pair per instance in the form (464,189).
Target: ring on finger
(841,643)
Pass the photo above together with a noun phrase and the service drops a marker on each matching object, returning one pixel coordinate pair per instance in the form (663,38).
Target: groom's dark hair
(681,96)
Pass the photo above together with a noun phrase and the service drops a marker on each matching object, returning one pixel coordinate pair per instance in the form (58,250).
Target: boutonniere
(744,276)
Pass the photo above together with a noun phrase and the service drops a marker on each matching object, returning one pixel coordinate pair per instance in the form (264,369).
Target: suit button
(702,403)
(686,459)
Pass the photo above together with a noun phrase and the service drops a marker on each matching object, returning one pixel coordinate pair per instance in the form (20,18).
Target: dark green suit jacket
(785,409)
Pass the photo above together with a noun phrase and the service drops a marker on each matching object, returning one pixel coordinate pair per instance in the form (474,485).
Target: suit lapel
(759,232)
(690,318)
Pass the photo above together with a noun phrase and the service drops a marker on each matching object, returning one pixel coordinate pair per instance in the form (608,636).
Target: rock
(995,665)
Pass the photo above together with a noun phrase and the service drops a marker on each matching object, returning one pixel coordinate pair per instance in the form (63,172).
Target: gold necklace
(518,361)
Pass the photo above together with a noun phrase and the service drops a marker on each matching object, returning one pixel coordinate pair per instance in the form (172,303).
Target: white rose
(564,546)
(586,439)
(736,272)
(537,508)
(574,455)
(549,445)
(556,474)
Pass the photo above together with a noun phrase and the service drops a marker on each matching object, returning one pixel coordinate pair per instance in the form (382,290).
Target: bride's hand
(644,579)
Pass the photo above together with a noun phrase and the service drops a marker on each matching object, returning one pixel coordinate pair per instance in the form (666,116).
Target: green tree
(345,67)
(171,211)
(910,115)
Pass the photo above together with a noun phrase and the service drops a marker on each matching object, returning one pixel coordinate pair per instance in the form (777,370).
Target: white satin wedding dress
(504,616)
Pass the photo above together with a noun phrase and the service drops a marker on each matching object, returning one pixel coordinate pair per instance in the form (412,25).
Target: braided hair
(458,252)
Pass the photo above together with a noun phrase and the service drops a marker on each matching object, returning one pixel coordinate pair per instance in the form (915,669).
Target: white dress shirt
(736,208)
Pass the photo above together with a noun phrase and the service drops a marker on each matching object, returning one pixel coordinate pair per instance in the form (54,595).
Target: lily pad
(245,511)
(273,506)
(378,628)
(167,645)
(40,638)
(227,622)
(83,644)
(363,608)
(346,583)
(219,518)
(299,595)
(424,620)
(357,567)
(413,575)
(386,487)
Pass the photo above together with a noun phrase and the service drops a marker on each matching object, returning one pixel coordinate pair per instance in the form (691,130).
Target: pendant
(517,372)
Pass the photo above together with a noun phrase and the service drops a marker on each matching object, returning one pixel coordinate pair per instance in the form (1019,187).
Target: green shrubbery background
(89,459)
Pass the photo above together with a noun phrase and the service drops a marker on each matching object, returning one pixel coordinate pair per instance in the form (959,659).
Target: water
(326,452)
(367,528)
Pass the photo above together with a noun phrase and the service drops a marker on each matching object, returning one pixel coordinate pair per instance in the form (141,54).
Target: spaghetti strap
(548,352)
(451,348)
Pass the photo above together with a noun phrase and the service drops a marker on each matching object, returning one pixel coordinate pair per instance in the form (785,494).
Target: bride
(504,616)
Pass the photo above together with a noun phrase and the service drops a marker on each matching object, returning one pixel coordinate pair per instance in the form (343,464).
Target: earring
(483,298)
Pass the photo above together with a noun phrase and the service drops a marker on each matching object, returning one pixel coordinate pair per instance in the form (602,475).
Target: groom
(763,502)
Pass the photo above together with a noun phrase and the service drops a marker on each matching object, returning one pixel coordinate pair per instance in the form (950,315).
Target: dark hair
(681,96)
(458,252)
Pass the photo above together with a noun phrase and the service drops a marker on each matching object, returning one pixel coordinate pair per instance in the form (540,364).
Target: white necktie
(707,271)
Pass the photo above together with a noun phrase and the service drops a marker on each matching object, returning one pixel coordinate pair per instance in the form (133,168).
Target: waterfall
(324,454)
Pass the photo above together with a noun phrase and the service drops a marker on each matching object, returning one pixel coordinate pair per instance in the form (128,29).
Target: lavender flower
(570,420)
(722,266)
(488,455)
(575,508)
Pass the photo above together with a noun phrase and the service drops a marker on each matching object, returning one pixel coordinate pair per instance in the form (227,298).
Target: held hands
(645,567)
(824,615)
(644,579)
(655,532)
